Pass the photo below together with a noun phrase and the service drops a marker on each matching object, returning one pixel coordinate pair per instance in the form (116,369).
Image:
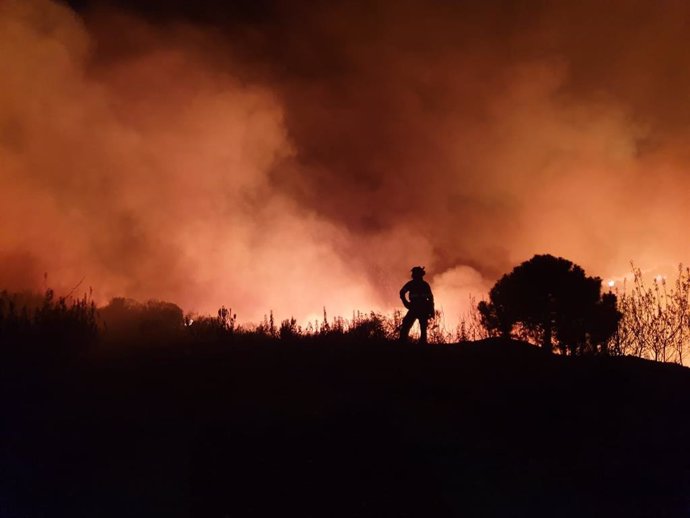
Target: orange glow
(203,170)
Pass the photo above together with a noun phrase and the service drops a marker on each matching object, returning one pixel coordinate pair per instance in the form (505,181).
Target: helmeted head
(418,272)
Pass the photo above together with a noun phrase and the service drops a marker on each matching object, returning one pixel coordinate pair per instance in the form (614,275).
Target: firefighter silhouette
(416,296)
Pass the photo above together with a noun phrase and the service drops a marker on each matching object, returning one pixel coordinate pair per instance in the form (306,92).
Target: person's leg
(423,323)
(407,322)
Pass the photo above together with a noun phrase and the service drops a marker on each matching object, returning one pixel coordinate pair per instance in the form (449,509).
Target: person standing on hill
(420,304)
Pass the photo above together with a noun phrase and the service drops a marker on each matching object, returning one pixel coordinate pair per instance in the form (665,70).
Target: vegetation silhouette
(656,317)
(416,296)
(551,299)
(46,325)
(153,321)
(136,409)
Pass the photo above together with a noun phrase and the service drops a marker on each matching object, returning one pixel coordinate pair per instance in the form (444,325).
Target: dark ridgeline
(334,426)
(136,410)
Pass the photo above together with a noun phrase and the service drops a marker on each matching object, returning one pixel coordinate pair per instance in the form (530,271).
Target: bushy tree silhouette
(155,320)
(550,300)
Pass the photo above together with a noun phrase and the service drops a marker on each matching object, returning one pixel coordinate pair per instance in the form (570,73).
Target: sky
(292,155)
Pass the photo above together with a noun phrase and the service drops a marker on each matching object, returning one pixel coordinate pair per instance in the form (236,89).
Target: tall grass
(46,324)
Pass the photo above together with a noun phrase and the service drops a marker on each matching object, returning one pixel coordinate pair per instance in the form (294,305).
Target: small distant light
(659,278)
(611,284)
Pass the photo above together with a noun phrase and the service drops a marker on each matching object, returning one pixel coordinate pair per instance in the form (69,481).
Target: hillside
(345,429)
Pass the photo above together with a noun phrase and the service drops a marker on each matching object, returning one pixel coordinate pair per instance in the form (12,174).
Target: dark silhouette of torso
(420,295)
(418,299)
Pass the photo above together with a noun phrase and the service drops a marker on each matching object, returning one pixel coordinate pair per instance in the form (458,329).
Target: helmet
(418,270)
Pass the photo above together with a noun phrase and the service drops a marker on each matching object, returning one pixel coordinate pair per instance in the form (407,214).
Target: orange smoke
(309,158)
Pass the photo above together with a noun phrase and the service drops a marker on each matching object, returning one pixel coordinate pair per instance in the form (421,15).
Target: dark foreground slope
(345,430)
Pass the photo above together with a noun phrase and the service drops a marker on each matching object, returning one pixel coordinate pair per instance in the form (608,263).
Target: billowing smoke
(298,155)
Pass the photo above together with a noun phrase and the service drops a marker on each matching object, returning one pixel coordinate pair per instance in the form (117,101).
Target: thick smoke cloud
(148,175)
(296,155)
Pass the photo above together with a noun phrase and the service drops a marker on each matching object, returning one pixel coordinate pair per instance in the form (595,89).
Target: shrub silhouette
(153,321)
(656,317)
(205,328)
(549,299)
(371,327)
(289,330)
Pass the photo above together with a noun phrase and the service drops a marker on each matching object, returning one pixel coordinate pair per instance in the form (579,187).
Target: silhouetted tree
(550,300)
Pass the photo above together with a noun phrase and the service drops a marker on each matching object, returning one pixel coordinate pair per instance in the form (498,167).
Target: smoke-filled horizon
(295,155)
